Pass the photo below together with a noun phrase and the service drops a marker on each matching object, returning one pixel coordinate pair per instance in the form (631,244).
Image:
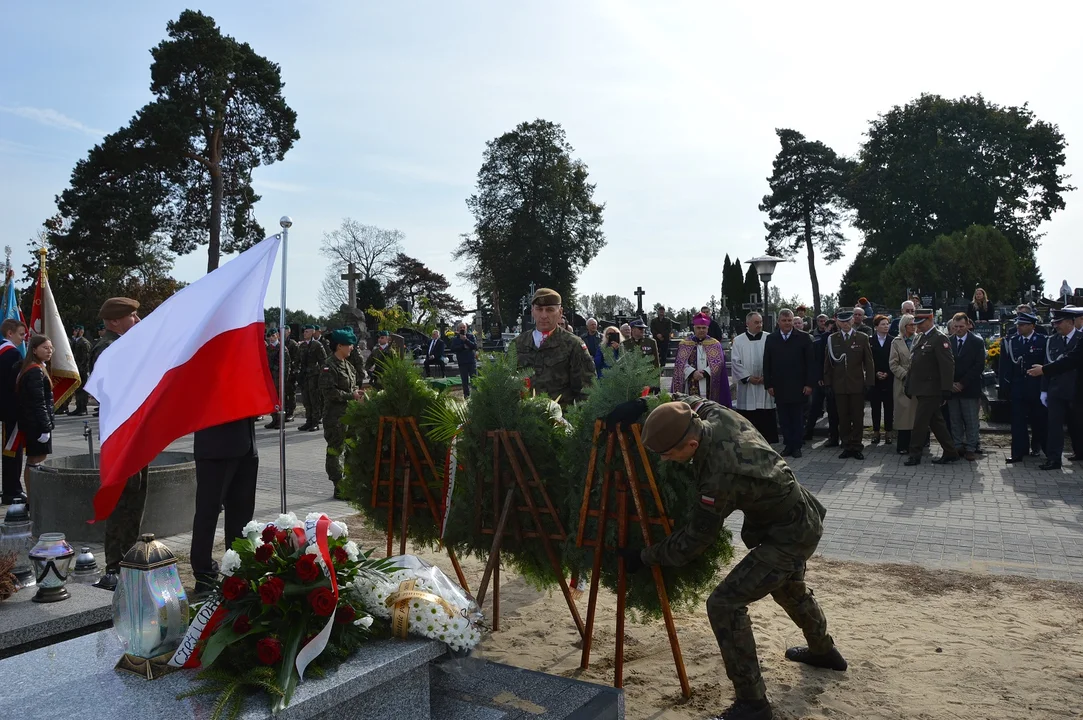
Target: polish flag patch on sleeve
(706,500)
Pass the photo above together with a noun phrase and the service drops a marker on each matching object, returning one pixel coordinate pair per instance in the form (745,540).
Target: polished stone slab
(84,668)
(26,625)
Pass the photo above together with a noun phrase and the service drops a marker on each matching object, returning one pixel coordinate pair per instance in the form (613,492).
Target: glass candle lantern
(51,560)
(86,568)
(19,539)
(150,608)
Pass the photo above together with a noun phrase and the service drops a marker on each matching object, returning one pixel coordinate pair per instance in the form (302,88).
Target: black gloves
(633,560)
(626,413)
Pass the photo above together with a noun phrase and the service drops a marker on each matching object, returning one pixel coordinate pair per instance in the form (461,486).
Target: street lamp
(765,267)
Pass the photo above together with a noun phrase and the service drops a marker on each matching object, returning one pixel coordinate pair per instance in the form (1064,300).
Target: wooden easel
(412,493)
(534,501)
(624,484)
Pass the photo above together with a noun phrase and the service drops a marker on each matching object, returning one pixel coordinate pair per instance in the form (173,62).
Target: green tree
(535,219)
(752,285)
(937,166)
(733,283)
(299,317)
(605,307)
(422,292)
(805,204)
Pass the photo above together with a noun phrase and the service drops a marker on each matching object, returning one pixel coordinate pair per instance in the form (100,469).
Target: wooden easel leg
(596,571)
(379,461)
(622,580)
(458,568)
(391,491)
(496,594)
(405,510)
(671,630)
(494,554)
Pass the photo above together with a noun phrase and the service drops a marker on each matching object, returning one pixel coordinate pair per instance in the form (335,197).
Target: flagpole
(286,223)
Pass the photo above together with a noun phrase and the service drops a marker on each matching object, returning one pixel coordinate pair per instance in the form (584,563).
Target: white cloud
(52,118)
(279,186)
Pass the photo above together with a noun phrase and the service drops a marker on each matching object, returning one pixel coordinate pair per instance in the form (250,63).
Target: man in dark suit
(1060,392)
(968,350)
(435,354)
(1022,350)
(465,348)
(714,329)
(227,463)
(789,374)
(928,384)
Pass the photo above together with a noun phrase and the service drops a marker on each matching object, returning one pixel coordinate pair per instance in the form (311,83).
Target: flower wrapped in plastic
(420,600)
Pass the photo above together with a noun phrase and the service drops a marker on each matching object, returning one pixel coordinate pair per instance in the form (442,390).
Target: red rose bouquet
(282,606)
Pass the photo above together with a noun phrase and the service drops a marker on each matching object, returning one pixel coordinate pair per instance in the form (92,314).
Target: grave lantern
(18,538)
(51,559)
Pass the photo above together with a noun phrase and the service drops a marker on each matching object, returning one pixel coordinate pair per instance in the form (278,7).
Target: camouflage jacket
(104,341)
(313,356)
(736,469)
(562,366)
(375,357)
(337,383)
(293,349)
(272,361)
(80,348)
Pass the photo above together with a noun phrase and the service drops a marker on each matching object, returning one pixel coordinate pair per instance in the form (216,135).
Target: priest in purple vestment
(700,365)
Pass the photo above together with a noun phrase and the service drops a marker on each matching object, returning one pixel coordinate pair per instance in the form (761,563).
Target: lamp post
(765,268)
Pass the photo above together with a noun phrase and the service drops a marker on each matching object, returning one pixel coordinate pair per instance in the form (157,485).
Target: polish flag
(45,320)
(198,360)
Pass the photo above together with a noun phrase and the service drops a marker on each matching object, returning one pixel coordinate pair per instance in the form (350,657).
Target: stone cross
(724,302)
(351,277)
(639,300)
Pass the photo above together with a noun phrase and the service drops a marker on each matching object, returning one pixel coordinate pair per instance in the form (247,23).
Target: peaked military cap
(846,315)
(637,323)
(117,307)
(1073,310)
(1062,314)
(923,314)
(343,336)
(667,426)
(1026,319)
(545,296)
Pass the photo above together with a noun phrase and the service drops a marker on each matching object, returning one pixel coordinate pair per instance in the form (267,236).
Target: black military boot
(304,428)
(747,710)
(830,660)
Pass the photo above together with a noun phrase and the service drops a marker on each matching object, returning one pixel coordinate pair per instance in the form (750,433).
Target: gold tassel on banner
(400,602)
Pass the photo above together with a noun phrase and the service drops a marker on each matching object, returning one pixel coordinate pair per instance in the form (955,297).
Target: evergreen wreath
(403,393)
(686,586)
(497,402)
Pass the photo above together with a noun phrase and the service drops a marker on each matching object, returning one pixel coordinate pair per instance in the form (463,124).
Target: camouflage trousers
(122,526)
(727,609)
(312,399)
(291,396)
(335,435)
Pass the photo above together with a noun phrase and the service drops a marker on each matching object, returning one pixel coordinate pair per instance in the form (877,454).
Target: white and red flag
(198,360)
(45,320)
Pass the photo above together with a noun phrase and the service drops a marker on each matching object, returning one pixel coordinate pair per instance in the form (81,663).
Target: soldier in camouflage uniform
(293,349)
(563,367)
(736,469)
(313,356)
(382,350)
(122,526)
(272,361)
(339,384)
(80,350)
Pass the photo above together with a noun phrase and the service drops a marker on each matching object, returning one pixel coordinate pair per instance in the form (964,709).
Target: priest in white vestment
(746,363)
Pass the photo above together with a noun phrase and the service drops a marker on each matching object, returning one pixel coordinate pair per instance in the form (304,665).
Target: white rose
(338,530)
(352,551)
(230,562)
(312,550)
(364,622)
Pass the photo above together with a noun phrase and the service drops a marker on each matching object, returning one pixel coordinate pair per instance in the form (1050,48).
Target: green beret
(344,336)
(545,296)
(310,326)
(118,307)
(79,327)
(101,325)
(383,333)
(667,426)
(272,331)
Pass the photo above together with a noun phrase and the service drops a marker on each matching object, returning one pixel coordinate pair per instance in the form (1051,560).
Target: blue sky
(672,106)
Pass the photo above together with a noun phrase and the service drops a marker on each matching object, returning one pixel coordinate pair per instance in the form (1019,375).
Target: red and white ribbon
(206,621)
(316,532)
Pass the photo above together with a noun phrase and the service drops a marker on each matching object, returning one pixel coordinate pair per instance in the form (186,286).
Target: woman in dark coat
(980,309)
(881,394)
(34,394)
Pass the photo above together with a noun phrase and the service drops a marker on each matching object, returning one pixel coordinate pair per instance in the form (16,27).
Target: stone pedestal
(26,625)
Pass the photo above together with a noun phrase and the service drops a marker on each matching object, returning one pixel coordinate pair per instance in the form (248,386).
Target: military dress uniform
(338,381)
(123,524)
(646,345)
(928,384)
(736,469)
(313,356)
(1029,419)
(849,371)
(1059,395)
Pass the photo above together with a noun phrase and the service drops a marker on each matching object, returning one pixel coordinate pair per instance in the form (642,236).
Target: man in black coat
(821,395)
(714,329)
(465,348)
(14,333)
(964,404)
(227,463)
(789,374)
(1070,362)
(434,354)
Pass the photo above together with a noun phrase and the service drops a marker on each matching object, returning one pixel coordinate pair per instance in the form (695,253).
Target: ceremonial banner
(45,320)
(197,361)
(9,307)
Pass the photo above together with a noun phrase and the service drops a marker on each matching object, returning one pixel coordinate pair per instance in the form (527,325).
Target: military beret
(309,326)
(118,307)
(1026,319)
(343,336)
(637,323)
(844,315)
(545,296)
(667,426)
(272,331)
(101,325)
(79,327)
(383,333)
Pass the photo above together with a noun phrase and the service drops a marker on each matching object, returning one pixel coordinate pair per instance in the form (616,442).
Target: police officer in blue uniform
(1017,354)
(1059,391)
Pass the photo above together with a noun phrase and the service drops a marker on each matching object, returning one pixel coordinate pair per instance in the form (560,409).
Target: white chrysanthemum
(312,517)
(312,550)
(286,522)
(252,528)
(352,551)
(338,530)
(230,562)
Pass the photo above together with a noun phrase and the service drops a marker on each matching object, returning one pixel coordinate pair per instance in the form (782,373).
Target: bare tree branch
(371,249)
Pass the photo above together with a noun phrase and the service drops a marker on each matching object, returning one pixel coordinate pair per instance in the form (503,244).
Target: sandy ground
(921,644)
